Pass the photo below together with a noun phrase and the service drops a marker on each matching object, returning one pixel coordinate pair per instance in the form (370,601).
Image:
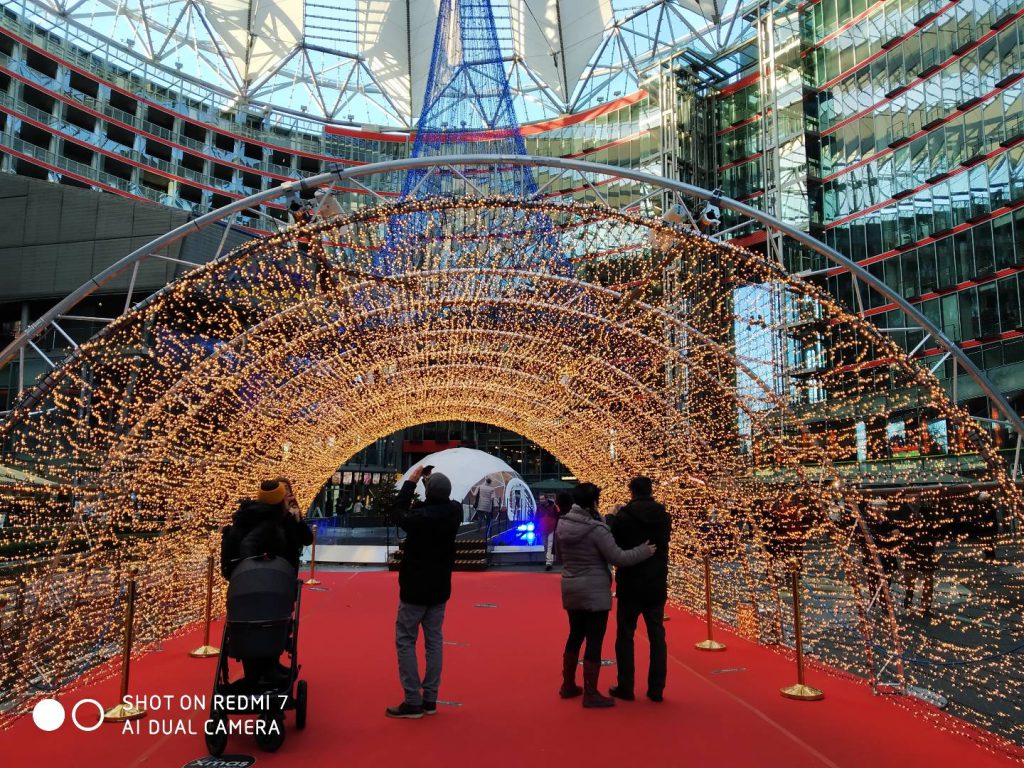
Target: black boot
(593,698)
(623,692)
(569,687)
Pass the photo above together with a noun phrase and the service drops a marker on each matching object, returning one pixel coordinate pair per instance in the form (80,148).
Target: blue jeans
(407,630)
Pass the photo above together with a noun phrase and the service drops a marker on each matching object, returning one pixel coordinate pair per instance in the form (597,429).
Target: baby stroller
(262,623)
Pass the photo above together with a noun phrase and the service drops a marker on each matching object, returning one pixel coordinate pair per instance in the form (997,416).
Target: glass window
(1013,351)
(920,170)
(892,273)
(988,55)
(973,133)
(968,66)
(873,236)
(927,273)
(950,79)
(960,198)
(889,230)
(828,10)
(951,316)
(858,250)
(1009,303)
(969,319)
(999,181)
(907,222)
(993,123)
(988,310)
(932,309)
(1016,167)
(941,207)
(984,258)
(909,286)
(876,299)
(978,180)
(964,255)
(1013,108)
(1018,226)
(1002,242)
(912,55)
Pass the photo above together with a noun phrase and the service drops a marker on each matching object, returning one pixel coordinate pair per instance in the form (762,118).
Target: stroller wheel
(300,705)
(270,736)
(217,738)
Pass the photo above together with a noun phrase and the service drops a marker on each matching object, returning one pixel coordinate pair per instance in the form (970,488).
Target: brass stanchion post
(710,644)
(799,690)
(206,650)
(312,581)
(121,711)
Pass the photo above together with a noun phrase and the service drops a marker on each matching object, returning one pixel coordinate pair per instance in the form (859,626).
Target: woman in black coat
(269,525)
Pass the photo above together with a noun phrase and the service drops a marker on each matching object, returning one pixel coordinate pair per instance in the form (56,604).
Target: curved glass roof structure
(365,61)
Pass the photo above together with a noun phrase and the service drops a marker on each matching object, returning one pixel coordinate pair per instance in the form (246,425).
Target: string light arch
(674,360)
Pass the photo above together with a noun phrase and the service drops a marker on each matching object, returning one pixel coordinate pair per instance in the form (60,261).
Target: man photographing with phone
(425,584)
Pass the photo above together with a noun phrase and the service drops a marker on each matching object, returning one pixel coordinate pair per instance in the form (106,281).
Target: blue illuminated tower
(468,109)
(468,105)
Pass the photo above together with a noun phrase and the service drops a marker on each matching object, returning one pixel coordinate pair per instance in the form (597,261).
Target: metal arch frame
(341,173)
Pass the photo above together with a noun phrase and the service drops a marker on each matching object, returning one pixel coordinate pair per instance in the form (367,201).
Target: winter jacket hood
(251,513)
(260,529)
(576,524)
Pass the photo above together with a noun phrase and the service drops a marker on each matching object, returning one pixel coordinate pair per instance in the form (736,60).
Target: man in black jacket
(641,590)
(425,584)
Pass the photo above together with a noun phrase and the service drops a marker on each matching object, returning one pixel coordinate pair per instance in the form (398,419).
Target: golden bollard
(312,581)
(710,644)
(121,712)
(206,650)
(799,690)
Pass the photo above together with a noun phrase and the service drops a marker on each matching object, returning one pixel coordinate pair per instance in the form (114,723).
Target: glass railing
(62,163)
(205,148)
(152,90)
(93,138)
(262,221)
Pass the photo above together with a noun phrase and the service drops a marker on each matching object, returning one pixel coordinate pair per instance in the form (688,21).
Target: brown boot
(569,687)
(593,698)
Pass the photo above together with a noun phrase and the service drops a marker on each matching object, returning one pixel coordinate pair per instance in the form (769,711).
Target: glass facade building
(912,122)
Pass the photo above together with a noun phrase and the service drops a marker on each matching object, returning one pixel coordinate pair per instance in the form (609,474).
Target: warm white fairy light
(295,351)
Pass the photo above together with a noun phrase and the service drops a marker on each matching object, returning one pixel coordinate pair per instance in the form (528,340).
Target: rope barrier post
(123,711)
(313,581)
(710,644)
(206,650)
(799,690)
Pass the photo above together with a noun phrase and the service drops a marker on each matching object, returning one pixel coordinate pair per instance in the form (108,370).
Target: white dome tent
(468,469)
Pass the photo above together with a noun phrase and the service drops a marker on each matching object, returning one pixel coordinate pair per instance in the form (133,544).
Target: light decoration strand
(760,407)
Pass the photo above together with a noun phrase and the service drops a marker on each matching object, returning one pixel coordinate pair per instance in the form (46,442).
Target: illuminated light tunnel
(737,387)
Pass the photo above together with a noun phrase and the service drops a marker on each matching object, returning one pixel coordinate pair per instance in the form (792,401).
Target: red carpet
(502,667)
